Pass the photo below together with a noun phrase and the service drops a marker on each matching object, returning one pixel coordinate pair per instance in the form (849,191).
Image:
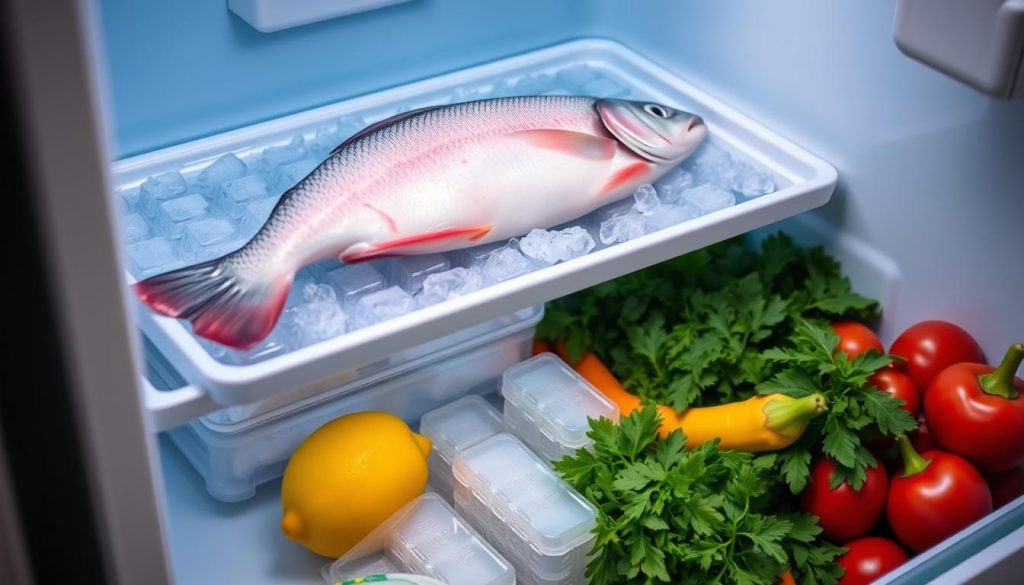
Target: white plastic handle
(170,408)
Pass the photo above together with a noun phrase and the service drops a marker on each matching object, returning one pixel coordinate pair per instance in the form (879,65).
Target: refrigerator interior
(926,215)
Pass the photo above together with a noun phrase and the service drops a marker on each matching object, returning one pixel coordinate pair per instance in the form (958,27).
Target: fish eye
(656,110)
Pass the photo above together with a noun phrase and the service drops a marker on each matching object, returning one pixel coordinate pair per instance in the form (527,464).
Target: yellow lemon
(348,477)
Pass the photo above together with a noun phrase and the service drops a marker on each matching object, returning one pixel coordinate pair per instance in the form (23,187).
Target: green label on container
(376,579)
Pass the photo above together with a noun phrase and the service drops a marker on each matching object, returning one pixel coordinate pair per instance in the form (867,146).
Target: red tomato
(1006,486)
(932,346)
(900,386)
(855,338)
(843,513)
(977,412)
(936,496)
(867,559)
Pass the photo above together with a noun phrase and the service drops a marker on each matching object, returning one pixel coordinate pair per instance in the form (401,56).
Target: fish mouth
(633,131)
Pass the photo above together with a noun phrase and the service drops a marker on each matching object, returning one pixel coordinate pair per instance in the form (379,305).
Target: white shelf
(214,542)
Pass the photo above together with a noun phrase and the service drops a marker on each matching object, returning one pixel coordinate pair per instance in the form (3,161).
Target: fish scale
(432,180)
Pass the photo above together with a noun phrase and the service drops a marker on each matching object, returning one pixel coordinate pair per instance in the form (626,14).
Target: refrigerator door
(81,450)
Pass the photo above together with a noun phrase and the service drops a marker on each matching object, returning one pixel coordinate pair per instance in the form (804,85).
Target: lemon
(348,477)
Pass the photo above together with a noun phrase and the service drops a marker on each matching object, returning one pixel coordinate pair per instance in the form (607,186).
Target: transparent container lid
(557,398)
(536,503)
(426,537)
(461,424)
(242,417)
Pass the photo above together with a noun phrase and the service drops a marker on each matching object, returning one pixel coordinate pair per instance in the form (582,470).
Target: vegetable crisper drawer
(196,201)
(236,455)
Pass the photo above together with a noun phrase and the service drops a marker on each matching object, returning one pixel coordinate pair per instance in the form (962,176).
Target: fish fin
(574,143)
(410,244)
(626,175)
(220,305)
(382,124)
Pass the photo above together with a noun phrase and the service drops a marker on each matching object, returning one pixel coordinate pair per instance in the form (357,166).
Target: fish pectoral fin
(573,143)
(413,244)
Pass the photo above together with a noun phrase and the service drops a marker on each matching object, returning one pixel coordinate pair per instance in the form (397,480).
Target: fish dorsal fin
(382,124)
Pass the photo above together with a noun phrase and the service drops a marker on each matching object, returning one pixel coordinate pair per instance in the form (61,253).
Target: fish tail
(221,304)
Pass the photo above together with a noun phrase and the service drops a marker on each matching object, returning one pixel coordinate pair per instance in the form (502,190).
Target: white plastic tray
(809,183)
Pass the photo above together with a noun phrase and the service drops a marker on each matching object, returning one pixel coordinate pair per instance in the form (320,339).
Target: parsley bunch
(810,363)
(671,515)
(693,331)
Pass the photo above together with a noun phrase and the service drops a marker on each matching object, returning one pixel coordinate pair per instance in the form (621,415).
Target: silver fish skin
(432,180)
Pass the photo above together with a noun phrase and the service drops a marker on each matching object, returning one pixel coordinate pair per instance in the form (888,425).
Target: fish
(431,180)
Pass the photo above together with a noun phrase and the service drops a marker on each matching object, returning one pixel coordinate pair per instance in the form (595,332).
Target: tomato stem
(790,417)
(1000,381)
(913,462)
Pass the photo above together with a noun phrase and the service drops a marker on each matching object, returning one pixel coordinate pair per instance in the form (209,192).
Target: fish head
(653,131)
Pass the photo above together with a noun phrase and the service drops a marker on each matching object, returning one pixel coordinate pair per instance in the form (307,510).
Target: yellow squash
(762,423)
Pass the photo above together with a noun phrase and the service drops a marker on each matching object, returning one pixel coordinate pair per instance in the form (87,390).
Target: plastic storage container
(536,520)
(547,406)
(242,172)
(452,428)
(235,453)
(426,537)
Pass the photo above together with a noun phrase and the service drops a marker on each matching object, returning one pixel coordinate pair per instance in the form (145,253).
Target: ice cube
(646,200)
(319,317)
(575,77)
(713,165)
(671,186)
(467,94)
(753,182)
(135,227)
(160,188)
(152,256)
(219,249)
(292,173)
(450,284)
(256,214)
(666,215)
(476,255)
(442,286)
(604,87)
(505,263)
(238,193)
(709,198)
(207,232)
(327,137)
(318,270)
(621,228)
(550,247)
(382,305)
(175,213)
(128,198)
(352,281)
(225,168)
(409,272)
(534,84)
(274,157)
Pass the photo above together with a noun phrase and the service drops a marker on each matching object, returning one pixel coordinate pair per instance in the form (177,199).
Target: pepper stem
(789,418)
(913,462)
(1000,381)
